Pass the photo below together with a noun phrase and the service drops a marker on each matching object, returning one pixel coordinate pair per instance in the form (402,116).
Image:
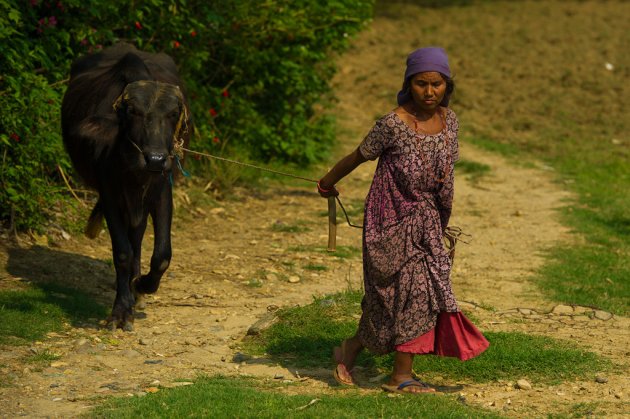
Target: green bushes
(257,73)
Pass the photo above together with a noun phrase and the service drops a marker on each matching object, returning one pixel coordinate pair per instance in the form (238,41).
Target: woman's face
(427,90)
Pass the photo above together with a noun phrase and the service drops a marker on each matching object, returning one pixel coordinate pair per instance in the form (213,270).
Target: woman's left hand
(326,192)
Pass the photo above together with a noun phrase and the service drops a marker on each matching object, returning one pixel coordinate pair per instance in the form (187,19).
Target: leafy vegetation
(257,74)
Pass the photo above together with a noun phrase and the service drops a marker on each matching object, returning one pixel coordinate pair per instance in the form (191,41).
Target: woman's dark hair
(450,86)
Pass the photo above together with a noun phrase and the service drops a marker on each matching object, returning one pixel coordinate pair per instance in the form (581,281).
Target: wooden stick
(332,224)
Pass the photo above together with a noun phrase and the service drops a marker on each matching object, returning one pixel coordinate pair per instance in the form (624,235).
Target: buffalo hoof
(125,325)
(138,296)
(120,319)
(145,285)
(141,303)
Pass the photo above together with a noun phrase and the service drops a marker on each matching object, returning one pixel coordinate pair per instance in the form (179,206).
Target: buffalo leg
(135,238)
(122,312)
(161,258)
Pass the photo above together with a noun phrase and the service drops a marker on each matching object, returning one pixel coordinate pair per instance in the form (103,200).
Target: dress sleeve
(376,141)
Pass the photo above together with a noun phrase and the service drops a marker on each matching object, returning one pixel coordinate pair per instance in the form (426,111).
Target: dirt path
(232,264)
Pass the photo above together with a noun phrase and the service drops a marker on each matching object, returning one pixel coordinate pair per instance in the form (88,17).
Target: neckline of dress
(424,135)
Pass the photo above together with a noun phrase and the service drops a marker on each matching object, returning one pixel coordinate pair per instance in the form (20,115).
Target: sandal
(405,387)
(340,373)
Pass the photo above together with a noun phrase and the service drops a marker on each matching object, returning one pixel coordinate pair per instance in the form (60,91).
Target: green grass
(315,267)
(473,170)
(305,336)
(28,314)
(43,357)
(219,397)
(282,227)
(342,252)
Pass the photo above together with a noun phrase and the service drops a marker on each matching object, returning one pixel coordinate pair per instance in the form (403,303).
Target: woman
(408,307)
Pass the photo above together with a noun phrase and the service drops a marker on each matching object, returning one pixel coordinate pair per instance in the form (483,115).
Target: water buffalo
(123,116)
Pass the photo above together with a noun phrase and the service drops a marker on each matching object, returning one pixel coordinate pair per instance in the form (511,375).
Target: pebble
(523,385)
(143,341)
(293,279)
(278,377)
(562,309)
(80,342)
(602,315)
(601,379)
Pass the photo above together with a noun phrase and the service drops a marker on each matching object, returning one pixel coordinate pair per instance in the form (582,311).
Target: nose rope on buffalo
(332,209)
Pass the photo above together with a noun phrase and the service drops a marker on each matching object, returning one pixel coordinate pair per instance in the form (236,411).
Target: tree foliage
(257,73)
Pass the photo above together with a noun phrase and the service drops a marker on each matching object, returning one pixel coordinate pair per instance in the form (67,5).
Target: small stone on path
(562,309)
(603,315)
(293,279)
(523,385)
(601,379)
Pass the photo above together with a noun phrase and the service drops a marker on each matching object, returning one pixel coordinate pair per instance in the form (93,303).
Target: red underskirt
(454,335)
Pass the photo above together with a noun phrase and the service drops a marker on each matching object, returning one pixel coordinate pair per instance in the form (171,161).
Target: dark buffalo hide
(124,118)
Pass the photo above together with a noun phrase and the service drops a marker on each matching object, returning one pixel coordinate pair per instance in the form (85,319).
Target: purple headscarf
(420,61)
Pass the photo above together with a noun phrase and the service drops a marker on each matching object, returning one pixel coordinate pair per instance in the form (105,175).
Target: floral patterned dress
(406,267)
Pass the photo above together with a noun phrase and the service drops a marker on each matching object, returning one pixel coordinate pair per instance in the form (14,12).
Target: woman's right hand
(326,191)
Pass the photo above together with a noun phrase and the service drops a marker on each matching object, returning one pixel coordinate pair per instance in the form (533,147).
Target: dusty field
(209,298)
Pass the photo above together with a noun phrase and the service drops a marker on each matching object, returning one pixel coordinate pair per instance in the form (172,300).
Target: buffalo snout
(156,162)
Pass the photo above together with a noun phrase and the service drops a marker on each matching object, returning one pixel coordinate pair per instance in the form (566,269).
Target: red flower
(213,112)
(176,44)
(15,137)
(138,25)
(193,33)
(225,93)
(216,140)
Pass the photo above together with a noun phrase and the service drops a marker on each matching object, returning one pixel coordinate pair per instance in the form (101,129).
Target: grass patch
(27,315)
(342,252)
(219,397)
(315,267)
(474,170)
(574,275)
(281,227)
(43,357)
(305,336)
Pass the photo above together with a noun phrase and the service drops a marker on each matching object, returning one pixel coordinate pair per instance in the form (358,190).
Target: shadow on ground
(79,285)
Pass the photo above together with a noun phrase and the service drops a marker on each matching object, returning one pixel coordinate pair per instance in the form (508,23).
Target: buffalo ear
(99,131)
